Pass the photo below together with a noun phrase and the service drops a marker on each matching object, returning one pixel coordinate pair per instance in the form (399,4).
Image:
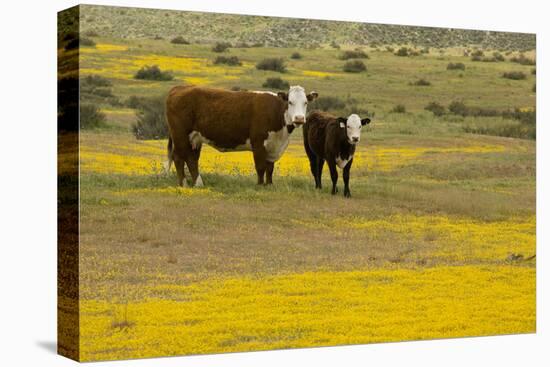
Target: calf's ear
(311,96)
(342,121)
(365,121)
(283,96)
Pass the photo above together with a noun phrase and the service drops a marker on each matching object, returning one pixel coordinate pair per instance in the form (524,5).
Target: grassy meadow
(437,240)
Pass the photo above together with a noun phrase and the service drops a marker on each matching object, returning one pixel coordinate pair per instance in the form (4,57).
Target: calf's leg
(347,168)
(320,163)
(269,172)
(333,175)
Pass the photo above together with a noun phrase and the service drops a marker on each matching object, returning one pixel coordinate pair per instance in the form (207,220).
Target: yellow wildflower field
(124,155)
(313,309)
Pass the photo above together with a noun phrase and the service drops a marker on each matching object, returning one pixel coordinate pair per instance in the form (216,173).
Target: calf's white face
(353,125)
(297,104)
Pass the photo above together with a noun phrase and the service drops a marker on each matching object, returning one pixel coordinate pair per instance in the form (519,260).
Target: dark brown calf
(332,139)
(231,121)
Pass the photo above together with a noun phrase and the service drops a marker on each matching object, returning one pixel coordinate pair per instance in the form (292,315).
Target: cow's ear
(311,96)
(283,96)
(365,121)
(342,121)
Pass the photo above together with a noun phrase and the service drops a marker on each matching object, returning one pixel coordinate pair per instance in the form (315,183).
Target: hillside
(136,23)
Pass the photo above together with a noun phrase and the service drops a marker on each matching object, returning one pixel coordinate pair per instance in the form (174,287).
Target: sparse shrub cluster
(151,123)
(231,60)
(404,51)
(436,108)
(276,83)
(179,40)
(355,54)
(335,45)
(456,66)
(87,42)
(96,89)
(221,46)
(399,109)
(421,83)
(90,116)
(296,56)
(514,75)
(355,66)
(521,59)
(328,103)
(153,73)
(273,64)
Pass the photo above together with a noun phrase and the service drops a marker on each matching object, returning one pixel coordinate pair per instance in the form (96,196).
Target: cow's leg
(320,164)
(347,168)
(260,161)
(179,162)
(269,172)
(333,175)
(193,164)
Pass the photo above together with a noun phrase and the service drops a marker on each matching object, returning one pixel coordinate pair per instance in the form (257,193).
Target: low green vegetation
(153,73)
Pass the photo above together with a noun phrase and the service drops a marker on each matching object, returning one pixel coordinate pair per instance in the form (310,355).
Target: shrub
(134,101)
(421,83)
(231,60)
(521,59)
(458,108)
(436,108)
(276,83)
(498,56)
(403,51)
(296,56)
(151,123)
(514,75)
(335,45)
(476,58)
(274,64)
(456,66)
(96,81)
(327,103)
(478,53)
(399,109)
(356,54)
(355,66)
(90,116)
(179,40)
(87,42)
(153,73)
(221,46)
(390,49)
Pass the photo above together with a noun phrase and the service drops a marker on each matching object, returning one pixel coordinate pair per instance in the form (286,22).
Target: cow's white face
(297,104)
(353,125)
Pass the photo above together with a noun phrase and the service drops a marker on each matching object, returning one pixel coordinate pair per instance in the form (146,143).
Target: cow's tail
(170,154)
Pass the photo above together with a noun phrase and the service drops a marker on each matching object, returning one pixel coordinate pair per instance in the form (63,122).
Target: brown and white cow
(232,121)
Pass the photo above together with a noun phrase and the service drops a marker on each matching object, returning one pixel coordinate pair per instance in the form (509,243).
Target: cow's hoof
(347,194)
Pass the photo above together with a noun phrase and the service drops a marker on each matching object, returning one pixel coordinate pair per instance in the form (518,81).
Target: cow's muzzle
(299,120)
